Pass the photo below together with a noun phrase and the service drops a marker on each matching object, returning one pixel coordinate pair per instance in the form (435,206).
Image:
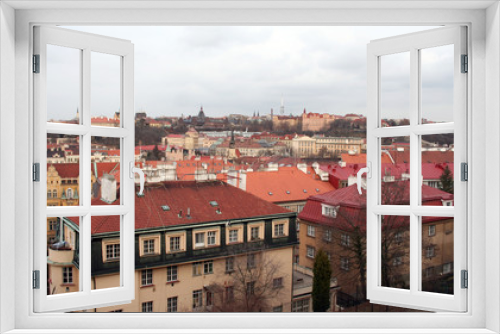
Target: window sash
(414,298)
(85,298)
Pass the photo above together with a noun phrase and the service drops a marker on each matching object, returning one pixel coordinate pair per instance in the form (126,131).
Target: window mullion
(415,175)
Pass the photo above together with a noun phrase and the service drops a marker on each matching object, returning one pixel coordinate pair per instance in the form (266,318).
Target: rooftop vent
(179,214)
(214,203)
(165,208)
(305,190)
(270,193)
(317,190)
(288,192)
(188,216)
(218,211)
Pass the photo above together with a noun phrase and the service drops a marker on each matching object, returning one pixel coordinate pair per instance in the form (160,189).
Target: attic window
(165,208)
(214,203)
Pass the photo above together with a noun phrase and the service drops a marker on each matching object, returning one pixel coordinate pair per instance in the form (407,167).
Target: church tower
(282,107)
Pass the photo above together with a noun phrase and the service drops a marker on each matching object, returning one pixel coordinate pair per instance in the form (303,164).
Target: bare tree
(256,280)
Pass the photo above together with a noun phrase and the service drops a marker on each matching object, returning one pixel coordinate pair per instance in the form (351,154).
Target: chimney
(188,216)
(108,188)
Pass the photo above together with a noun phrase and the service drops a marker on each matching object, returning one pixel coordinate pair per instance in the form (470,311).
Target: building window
(397,261)
(229,264)
(197,268)
(298,227)
(54,193)
(113,252)
(147,277)
(148,246)
(251,261)
(208,267)
(327,235)
(147,307)
(209,298)
(49,194)
(300,208)
(175,244)
(278,282)
(301,305)
(233,235)
(67,275)
(172,274)
(251,288)
(447,268)
(345,240)
(429,272)
(197,299)
(311,252)
(344,263)
(278,308)
(329,211)
(254,233)
(432,230)
(430,251)
(53,225)
(398,237)
(211,238)
(279,230)
(311,231)
(229,293)
(172,304)
(199,239)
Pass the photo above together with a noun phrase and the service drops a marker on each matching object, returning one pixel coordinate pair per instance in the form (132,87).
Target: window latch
(367,170)
(139,171)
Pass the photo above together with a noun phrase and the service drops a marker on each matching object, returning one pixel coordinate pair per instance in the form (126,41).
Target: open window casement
(65,190)
(421,265)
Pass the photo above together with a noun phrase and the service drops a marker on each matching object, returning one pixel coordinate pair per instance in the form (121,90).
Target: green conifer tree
(321,282)
(446,181)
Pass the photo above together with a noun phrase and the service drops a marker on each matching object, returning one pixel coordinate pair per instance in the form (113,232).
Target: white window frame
(483,98)
(415,297)
(86,297)
(311,231)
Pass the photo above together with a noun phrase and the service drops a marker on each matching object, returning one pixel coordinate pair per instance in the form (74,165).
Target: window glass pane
(105,89)
(395,89)
(106,255)
(63,84)
(436,72)
(395,171)
(437,254)
(63,252)
(105,170)
(63,170)
(395,252)
(437,169)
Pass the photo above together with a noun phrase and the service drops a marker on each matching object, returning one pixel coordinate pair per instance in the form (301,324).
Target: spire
(282,107)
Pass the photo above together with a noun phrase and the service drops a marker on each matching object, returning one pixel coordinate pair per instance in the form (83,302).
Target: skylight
(214,203)
(165,208)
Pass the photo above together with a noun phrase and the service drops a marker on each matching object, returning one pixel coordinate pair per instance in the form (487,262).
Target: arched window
(54,193)
(49,194)
(69,193)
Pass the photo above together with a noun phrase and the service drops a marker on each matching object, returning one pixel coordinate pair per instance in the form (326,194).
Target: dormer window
(329,211)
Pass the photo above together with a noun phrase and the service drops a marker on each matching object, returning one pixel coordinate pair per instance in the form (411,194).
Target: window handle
(367,170)
(139,171)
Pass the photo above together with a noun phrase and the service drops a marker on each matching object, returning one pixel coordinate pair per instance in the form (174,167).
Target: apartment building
(336,222)
(198,249)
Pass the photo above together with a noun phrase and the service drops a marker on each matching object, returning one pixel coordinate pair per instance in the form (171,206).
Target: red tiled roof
(352,205)
(286,179)
(361,158)
(66,170)
(149,212)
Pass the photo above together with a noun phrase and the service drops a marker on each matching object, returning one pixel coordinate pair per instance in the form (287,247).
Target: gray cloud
(245,69)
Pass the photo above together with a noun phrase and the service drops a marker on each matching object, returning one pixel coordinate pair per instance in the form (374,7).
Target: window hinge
(465,64)
(464,167)
(36,172)
(465,279)
(36,279)
(36,63)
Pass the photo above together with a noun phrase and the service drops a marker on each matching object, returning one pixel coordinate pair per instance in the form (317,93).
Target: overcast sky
(245,70)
